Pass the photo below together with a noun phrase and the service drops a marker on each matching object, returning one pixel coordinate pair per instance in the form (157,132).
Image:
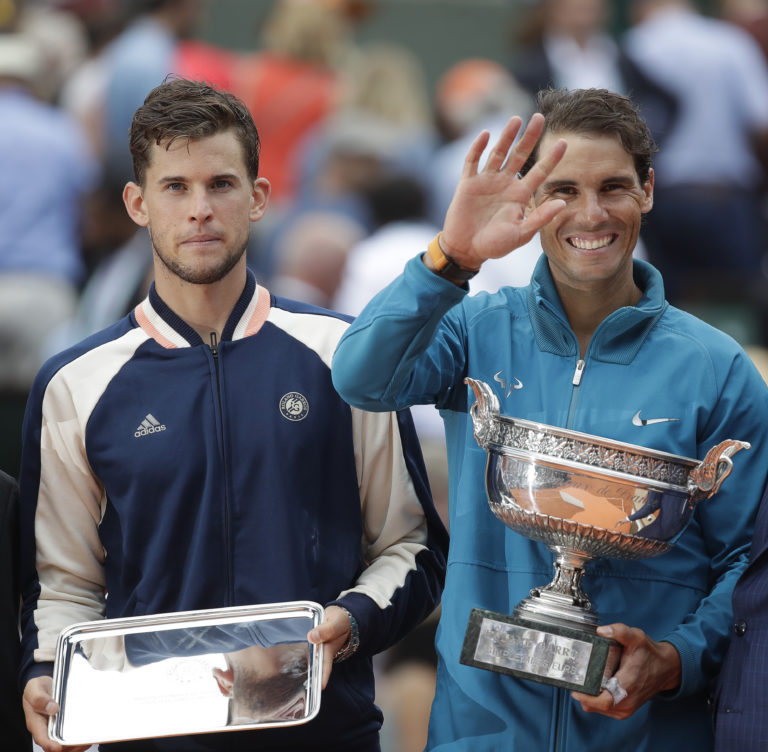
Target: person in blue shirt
(591,345)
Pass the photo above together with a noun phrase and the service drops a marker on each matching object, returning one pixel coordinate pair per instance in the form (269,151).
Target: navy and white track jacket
(164,473)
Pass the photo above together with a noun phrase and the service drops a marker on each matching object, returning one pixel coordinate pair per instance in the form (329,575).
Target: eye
(174,187)
(222,184)
(563,190)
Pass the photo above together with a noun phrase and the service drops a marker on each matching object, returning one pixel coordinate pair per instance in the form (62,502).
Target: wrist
(671,659)
(439,262)
(352,643)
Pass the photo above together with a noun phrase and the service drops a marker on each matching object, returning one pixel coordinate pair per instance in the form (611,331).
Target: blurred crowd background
(366,109)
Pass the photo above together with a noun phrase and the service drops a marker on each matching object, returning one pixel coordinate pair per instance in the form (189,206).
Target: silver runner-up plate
(190,672)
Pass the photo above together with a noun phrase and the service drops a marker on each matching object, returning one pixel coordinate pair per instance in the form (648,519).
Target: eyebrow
(183,179)
(554,184)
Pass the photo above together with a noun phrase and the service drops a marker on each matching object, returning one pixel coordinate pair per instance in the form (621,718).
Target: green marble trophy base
(551,654)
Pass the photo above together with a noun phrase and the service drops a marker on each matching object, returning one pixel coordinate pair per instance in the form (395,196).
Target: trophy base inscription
(550,654)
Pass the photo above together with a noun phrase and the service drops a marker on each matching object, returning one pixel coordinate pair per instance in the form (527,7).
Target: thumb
(334,626)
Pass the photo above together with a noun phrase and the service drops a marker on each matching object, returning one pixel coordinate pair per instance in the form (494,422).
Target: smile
(584,244)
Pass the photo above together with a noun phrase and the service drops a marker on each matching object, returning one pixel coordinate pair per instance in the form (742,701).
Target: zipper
(561,705)
(578,372)
(576,381)
(214,347)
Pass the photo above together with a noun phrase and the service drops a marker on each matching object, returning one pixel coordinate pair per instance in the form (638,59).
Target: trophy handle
(484,410)
(707,477)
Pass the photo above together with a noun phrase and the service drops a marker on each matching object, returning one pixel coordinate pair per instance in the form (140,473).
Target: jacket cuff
(690,675)
(44,668)
(362,609)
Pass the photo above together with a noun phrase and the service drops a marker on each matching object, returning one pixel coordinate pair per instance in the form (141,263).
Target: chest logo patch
(638,421)
(149,425)
(294,406)
(507,388)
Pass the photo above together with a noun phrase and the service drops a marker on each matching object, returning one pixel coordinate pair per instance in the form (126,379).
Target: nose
(592,208)
(200,209)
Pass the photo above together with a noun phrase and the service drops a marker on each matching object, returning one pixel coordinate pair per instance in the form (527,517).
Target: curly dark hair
(597,112)
(180,108)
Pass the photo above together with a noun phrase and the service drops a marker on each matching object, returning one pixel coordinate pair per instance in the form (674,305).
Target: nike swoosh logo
(638,421)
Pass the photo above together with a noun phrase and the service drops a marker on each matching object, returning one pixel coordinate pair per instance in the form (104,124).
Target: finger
(476,150)
(327,667)
(501,148)
(623,634)
(38,726)
(541,215)
(526,143)
(602,703)
(543,166)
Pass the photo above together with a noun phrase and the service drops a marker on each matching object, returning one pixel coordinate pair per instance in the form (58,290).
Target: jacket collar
(161,323)
(620,335)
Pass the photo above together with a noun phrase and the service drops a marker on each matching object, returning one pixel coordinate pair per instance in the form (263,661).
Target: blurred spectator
(291,84)
(383,123)
(567,43)
(751,15)
(706,233)
(137,60)
(311,255)
(401,230)
(47,170)
(60,35)
(82,93)
(119,259)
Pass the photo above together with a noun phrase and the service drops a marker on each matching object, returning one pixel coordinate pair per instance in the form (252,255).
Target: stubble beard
(200,275)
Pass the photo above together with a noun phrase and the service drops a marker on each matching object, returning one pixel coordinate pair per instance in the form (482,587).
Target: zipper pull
(578,372)
(214,345)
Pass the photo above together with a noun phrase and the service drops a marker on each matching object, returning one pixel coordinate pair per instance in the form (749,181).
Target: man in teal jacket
(591,345)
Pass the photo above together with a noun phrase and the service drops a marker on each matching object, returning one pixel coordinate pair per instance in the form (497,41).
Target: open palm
(490,214)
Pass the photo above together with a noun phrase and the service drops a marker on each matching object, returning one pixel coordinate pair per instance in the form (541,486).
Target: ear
(647,202)
(133,198)
(225,679)
(259,198)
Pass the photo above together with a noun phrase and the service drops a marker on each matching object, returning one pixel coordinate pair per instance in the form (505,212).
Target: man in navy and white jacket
(591,345)
(195,454)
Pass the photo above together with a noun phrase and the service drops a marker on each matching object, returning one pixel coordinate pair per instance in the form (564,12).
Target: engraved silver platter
(585,497)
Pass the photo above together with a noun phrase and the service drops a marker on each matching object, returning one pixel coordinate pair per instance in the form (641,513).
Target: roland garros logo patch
(294,406)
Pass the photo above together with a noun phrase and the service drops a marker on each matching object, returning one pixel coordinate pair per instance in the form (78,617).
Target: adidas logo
(150,424)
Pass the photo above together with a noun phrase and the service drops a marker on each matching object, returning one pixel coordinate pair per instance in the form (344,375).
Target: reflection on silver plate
(190,672)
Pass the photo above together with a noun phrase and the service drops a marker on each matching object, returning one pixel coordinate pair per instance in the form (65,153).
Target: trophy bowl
(584,497)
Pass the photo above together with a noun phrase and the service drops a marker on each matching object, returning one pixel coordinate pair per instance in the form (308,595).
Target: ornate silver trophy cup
(584,497)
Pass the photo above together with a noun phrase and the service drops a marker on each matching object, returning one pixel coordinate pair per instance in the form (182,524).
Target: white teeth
(591,245)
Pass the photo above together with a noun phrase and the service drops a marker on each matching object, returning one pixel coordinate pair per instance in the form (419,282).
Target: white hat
(20,57)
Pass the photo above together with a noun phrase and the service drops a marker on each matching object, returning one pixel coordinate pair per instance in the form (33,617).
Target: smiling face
(198,202)
(589,244)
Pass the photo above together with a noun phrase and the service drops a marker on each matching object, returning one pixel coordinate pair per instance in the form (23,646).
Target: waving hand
(490,214)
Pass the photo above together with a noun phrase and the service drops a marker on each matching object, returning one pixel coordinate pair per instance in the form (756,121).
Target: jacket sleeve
(726,520)
(404,541)
(402,350)
(61,503)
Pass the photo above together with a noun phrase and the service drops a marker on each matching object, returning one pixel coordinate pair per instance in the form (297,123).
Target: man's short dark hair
(180,108)
(597,112)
